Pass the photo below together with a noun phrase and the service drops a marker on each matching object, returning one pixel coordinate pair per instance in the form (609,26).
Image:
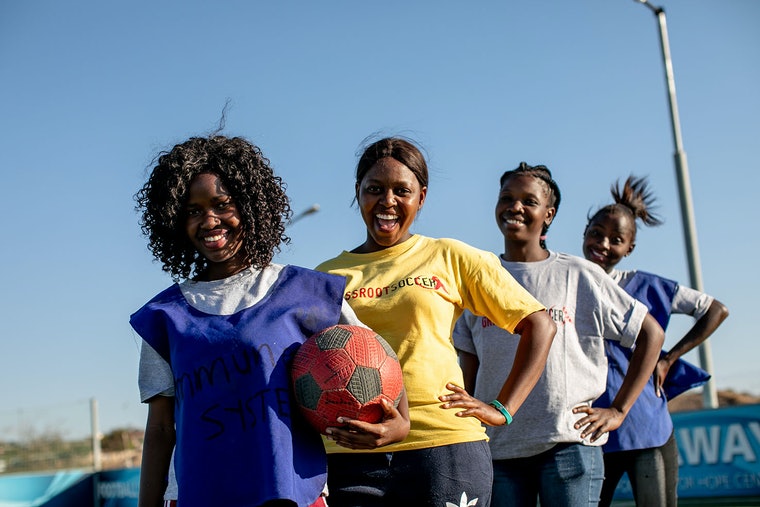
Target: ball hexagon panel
(345,371)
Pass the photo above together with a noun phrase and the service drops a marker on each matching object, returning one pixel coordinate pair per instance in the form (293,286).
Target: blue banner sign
(118,488)
(718,453)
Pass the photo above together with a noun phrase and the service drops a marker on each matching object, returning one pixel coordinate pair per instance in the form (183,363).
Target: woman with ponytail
(644,446)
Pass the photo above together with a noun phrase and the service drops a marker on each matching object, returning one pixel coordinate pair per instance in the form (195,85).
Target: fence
(719,454)
(58,437)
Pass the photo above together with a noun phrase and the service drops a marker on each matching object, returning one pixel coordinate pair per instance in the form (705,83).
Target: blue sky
(92,91)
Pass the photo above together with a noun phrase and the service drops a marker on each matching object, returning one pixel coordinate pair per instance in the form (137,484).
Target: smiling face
(522,212)
(389,197)
(213,226)
(609,237)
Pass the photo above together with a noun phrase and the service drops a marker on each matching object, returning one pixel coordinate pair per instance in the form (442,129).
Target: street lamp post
(709,393)
(308,211)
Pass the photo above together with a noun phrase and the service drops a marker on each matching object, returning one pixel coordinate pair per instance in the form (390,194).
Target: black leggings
(653,474)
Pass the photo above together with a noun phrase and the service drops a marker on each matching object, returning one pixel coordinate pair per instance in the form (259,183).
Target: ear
(356,191)
(630,249)
(549,218)
(423,194)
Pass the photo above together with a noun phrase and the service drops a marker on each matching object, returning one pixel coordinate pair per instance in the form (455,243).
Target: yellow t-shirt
(412,294)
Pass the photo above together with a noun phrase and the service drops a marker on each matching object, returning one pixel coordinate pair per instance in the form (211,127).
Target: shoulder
(333,263)
(167,296)
(449,243)
(147,320)
(459,249)
(582,265)
(588,275)
(642,280)
(649,276)
(316,274)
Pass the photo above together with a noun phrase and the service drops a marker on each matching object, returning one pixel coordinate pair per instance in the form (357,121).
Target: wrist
(501,408)
(622,411)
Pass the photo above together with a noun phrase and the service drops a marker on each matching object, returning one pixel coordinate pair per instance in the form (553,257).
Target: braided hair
(542,173)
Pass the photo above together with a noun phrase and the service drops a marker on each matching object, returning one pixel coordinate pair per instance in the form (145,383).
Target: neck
(215,272)
(370,245)
(523,252)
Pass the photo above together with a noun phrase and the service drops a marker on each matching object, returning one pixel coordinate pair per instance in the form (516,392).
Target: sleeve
(462,334)
(155,375)
(622,315)
(692,302)
(348,317)
(489,290)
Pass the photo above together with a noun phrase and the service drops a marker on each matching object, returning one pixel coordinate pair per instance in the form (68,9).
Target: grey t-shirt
(587,307)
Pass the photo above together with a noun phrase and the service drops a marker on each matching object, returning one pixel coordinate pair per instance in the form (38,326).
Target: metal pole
(709,392)
(97,462)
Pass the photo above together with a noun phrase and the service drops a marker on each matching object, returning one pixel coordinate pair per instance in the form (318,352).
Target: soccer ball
(345,371)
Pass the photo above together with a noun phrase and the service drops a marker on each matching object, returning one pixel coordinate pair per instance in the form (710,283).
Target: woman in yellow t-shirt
(411,289)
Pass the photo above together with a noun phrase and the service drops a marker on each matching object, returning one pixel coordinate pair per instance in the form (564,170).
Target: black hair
(545,175)
(258,194)
(634,199)
(402,150)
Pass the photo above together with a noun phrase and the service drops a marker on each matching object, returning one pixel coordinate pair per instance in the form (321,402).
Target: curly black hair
(259,196)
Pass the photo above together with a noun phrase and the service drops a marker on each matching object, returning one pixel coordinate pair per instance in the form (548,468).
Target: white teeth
(211,239)
(386,217)
(513,222)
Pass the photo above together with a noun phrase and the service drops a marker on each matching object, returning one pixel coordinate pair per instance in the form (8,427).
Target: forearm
(536,336)
(158,445)
(157,452)
(701,330)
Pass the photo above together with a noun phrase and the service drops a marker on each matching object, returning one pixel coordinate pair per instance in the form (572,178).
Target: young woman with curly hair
(217,346)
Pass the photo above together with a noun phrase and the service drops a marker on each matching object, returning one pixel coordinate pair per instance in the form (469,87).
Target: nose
(388,198)
(210,220)
(515,206)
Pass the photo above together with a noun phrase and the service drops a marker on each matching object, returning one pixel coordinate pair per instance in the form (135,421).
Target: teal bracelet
(498,406)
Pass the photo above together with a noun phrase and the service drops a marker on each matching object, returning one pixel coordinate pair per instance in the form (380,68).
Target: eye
(192,212)
(225,204)
(530,202)
(403,191)
(372,189)
(617,240)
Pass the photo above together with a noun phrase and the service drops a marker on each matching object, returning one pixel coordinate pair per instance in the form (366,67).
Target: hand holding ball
(345,371)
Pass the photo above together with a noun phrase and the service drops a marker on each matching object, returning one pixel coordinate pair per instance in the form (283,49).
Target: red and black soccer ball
(345,371)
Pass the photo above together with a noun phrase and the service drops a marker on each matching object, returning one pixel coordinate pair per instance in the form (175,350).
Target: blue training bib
(648,424)
(240,439)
